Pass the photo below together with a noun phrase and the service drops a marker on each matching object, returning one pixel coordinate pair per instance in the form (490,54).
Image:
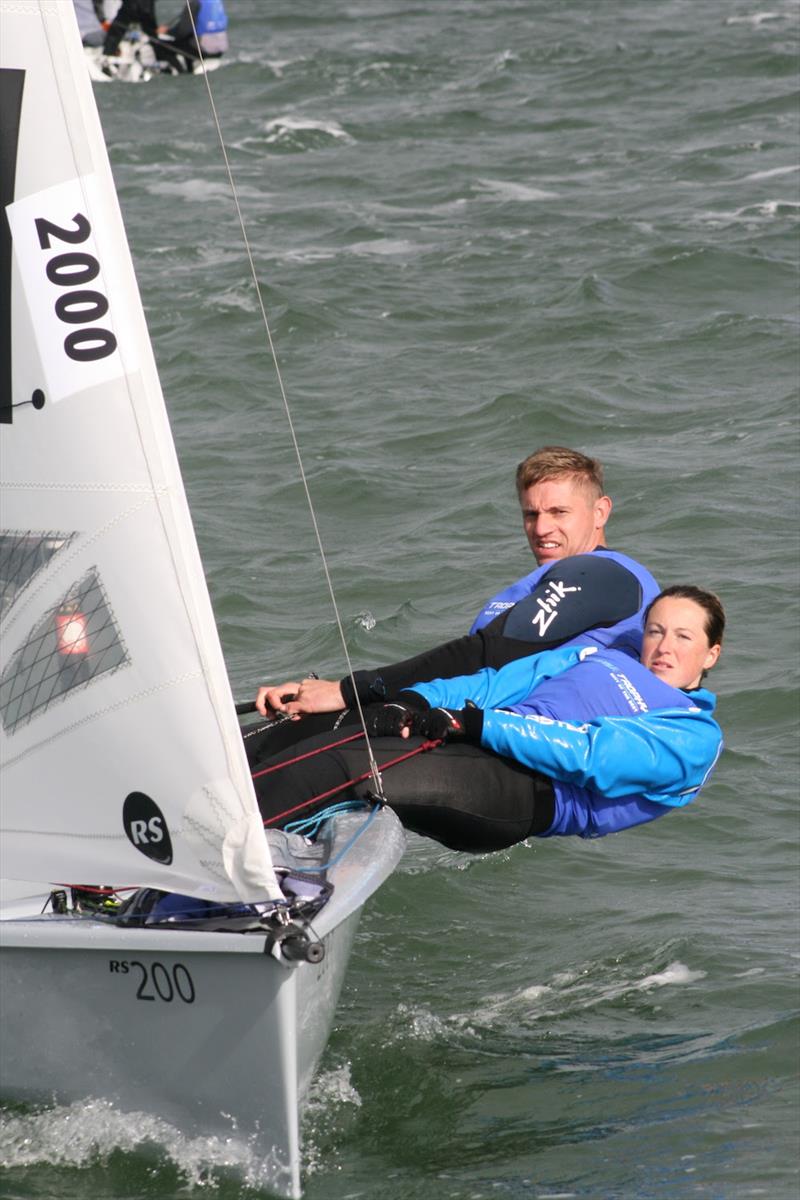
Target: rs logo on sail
(146,828)
(146,832)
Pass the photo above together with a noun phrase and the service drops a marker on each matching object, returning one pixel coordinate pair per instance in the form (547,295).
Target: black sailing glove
(389,720)
(449,725)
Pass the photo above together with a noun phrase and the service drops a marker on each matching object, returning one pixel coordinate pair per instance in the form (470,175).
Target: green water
(481,226)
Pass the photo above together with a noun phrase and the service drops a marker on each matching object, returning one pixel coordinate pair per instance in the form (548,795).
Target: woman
(578,741)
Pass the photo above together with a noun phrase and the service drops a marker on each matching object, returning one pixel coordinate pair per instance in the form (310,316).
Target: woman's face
(675,645)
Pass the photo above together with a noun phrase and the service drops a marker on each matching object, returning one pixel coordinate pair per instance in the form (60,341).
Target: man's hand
(298,699)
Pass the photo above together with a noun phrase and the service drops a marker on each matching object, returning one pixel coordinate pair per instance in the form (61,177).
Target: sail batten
(118,733)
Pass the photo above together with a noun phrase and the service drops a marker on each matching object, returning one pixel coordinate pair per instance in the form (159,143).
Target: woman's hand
(390,720)
(298,699)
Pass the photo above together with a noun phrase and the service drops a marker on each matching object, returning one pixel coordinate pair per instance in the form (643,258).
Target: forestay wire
(374,771)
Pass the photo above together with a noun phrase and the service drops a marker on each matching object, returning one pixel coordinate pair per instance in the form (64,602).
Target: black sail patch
(11,86)
(146,827)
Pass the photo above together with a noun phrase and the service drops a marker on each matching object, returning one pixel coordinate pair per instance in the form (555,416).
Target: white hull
(135,62)
(205,1029)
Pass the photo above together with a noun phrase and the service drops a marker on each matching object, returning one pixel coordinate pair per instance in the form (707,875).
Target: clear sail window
(72,644)
(22,555)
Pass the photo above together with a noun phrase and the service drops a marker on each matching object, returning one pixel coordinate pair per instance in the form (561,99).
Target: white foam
(277,65)
(772,207)
(567,992)
(504,189)
(773,172)
(233,298)
(383,209)
(385,247)
(381,67)
(754,19)
(190,189)
(675,973)
(79,1134)
(768,210)
(311,254)
(422,1025)
(573,991)
(331,1087)
(331,1100)
(279,127)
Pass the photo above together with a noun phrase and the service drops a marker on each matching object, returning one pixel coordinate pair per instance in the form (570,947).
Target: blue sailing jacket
(212,17)
(622,746)
(568,595)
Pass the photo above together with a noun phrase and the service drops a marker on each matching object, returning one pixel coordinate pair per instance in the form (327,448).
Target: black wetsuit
(181,51)
(130,12)
(475,800)
(599,595)
(458,794)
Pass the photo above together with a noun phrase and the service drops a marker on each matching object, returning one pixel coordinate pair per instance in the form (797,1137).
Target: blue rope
(348,806)
(309,826)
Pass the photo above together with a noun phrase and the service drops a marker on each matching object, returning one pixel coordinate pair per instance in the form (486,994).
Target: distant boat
(136,62)
(208,997)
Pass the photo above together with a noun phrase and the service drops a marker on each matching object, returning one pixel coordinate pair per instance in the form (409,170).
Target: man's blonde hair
(558,462)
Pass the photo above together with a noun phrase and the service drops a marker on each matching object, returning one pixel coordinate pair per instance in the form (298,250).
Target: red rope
(309,754)
(349,782)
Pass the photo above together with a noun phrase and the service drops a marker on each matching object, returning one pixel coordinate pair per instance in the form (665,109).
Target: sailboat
(134,62)
(207,994)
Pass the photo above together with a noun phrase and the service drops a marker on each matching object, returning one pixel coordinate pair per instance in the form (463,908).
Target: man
(580,592)
(564,513)
(557,527)
(179,46)
(130,13)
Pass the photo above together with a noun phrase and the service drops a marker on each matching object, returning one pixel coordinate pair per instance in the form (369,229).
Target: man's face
(562,518)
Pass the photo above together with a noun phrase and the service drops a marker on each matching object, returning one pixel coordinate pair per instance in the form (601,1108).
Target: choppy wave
(303,133)
(774,172)
(505,189)
(755,19)
(749,214)
(567,993)
(86,1136)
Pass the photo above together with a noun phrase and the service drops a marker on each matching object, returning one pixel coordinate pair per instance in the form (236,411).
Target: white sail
(122,761)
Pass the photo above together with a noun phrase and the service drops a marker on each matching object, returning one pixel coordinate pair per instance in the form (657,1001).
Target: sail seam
(135,488)
(110,708)
(67,833)
(207,835)
(31,8)
(83,543)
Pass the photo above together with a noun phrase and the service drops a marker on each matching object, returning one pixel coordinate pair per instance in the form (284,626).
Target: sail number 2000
(77,305)
(155,981)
